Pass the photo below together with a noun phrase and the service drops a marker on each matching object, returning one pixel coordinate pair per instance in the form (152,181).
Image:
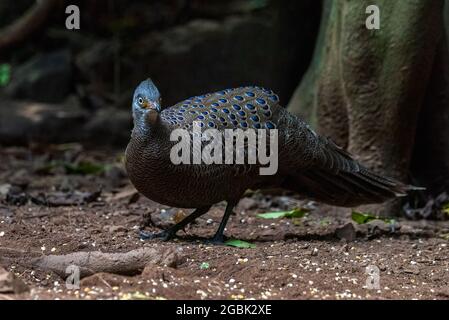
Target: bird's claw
(163,235)
(217,240)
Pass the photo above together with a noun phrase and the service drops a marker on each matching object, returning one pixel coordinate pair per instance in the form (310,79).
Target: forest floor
(63,199)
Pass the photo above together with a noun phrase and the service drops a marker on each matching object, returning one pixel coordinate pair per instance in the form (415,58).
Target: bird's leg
(218,237)
(171,232)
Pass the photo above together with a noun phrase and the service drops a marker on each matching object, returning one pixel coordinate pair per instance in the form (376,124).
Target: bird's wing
(240,108)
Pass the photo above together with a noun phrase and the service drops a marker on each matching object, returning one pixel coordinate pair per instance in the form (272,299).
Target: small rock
(412,270)
(314,252)
(9,283)
(16,196)
(247,204)
(4,190)
(346,232)
(444,293)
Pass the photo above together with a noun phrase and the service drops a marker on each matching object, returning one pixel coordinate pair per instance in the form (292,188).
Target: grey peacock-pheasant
(308,164)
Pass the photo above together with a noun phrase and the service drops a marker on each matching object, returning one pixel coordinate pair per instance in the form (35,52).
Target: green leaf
(5,74)
(239,244)
(204,265)
(446,208)
(295,213)
(362,218)
(83,167)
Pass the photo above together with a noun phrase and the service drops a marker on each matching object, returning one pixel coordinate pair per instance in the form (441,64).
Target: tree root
(126,263)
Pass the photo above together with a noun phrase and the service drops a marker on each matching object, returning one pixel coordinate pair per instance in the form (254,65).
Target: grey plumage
(309,164)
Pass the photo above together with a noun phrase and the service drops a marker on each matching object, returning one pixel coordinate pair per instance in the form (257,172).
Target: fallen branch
(28,24)
(127,263)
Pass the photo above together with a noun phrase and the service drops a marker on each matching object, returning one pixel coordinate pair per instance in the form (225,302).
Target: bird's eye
(140,101)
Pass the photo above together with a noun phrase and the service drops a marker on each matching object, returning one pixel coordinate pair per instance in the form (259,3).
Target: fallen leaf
(295,213)
(84,167)
(239,244)
(362,218)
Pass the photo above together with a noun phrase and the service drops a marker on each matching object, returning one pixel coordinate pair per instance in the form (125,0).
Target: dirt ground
(62,199)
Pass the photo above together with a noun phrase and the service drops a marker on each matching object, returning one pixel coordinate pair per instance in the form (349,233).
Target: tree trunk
(367,86)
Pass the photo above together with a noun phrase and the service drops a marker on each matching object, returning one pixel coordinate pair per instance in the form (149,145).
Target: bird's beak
(153,112)
(151,105)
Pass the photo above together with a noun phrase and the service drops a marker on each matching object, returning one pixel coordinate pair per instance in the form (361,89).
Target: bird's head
(146,104)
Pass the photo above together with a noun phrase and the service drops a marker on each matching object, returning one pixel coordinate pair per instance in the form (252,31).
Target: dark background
(83,79)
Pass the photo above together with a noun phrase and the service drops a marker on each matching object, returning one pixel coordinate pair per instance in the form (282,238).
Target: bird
(309,164)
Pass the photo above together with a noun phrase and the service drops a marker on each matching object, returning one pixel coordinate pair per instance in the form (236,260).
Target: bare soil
(52,203)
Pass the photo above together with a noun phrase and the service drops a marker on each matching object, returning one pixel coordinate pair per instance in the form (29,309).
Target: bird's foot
(217,240)
(163,235)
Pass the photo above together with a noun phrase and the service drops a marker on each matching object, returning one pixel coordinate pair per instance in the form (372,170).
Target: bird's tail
(350,189)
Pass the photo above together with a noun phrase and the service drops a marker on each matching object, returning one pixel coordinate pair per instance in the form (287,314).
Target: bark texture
(366,88)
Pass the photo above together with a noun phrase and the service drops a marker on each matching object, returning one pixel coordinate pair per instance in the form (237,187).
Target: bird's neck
(146,128)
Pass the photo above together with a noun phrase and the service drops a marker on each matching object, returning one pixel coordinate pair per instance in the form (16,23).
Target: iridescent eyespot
(267,91)
(192,111)
(244,124)
(200,117)
(255,118)
(223,100)
(270,125)
(236,107)
(242,113)
(222,119)
(215,104)
(232,116)
(260,101)
(249,106)
(267,114)
(213,116)
(205,112)
(238,98)
(225,110)
(274,98)
(211,124)
(250,94)
(213,110)
(234,122)
(257,125)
